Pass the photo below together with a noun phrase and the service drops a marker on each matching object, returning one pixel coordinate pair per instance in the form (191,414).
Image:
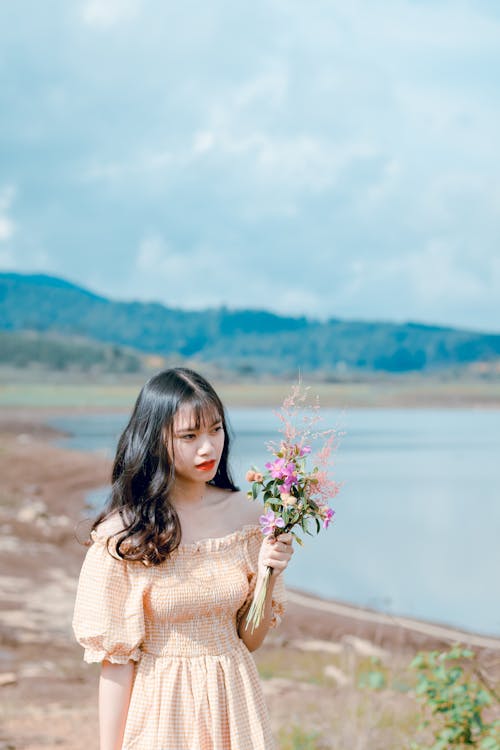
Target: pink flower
(329,513)
(276,468)
(287,471)
(290,476)
(254,476)
(305,450)
(269,522)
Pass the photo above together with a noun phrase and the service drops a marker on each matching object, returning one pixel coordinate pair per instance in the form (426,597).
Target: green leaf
(489,743)
(298,539)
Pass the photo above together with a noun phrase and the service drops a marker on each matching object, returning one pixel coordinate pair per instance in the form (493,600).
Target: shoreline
(427,628)
(65,395)
(32,424)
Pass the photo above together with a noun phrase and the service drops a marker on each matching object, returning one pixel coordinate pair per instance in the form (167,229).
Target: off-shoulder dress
(195,686)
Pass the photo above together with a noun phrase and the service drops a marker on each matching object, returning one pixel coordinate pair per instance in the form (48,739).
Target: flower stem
(256,610)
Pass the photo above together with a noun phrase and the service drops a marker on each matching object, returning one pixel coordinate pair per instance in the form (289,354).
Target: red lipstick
(206,465)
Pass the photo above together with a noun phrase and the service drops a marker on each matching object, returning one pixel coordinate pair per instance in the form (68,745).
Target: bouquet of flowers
(294,494)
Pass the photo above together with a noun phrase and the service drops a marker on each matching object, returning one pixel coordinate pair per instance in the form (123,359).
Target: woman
(163,592)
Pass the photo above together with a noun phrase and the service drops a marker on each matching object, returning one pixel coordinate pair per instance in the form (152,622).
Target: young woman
(164,589)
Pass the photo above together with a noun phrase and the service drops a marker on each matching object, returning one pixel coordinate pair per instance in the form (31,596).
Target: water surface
(418,518)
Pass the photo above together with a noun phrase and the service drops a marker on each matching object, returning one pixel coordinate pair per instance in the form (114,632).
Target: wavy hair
(143,472)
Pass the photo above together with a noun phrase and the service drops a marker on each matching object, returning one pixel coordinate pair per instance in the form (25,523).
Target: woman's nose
(205,445)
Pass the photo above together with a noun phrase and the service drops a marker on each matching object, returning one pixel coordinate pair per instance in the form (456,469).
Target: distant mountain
(240,340)
(49,351)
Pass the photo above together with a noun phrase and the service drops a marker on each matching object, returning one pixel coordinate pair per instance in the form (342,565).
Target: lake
(417,523)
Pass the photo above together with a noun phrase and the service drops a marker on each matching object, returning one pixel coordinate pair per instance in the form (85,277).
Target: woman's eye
(189,436)
(218,429)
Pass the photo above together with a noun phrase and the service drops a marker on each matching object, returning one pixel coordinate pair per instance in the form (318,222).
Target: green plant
(296,738)
(374,679)
(456,699)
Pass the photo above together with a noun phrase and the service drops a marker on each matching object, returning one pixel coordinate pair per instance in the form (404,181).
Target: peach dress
(196,686)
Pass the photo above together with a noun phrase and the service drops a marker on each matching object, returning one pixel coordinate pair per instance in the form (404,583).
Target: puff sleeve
(108,618)
(252,545)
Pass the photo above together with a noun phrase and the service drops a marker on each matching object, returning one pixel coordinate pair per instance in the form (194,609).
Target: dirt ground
(310,665)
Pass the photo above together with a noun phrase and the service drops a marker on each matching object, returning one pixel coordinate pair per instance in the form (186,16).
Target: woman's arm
(275,553)
(115,686)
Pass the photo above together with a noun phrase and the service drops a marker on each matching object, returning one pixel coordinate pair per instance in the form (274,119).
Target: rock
(24,439)
(32,511)
(37,669)
(315,645)
(363,647)
(336,674)
(9,544)
(8,678)
(61,522)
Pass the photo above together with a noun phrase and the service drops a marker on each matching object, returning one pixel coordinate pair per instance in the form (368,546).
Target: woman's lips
(206,466)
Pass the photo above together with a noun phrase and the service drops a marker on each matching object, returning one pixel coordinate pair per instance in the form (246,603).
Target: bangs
(206,411)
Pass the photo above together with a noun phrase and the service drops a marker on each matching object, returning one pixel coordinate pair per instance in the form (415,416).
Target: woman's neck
(188,494)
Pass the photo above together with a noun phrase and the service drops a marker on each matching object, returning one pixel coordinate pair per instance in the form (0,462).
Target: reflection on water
(418,518)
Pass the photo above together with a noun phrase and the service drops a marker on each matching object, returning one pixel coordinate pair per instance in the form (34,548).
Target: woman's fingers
(283,547)
(278,553)
(285,538)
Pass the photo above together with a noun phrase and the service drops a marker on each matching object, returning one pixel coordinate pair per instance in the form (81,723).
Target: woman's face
(196,451)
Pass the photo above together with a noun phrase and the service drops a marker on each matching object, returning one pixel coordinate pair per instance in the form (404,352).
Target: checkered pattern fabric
(195,685)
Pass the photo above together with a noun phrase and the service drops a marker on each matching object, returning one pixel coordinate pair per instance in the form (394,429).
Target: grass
(296,738)
(396,391)
(313,712)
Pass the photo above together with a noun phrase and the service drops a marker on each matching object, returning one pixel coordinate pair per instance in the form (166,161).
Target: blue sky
(322,158)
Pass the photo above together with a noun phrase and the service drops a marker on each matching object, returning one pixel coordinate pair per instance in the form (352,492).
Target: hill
(239,340)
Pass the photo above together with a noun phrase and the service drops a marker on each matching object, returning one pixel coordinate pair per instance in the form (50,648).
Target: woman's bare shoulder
(248,511)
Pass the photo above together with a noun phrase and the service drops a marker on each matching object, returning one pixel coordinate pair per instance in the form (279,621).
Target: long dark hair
(143,472)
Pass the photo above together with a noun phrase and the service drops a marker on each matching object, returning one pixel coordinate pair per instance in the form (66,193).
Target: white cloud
(7,195)
(270,88)
(107,13)
(438,276)
(204,276)
(7,225)
(152,255)
(183,278)
(135,165)
(6,228)
(203,141)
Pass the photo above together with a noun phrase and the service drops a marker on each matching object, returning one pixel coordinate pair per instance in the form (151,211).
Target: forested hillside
(239,340)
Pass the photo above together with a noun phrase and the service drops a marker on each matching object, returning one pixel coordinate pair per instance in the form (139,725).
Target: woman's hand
(275,553)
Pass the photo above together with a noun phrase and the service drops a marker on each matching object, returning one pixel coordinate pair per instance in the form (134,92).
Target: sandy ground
(48,695)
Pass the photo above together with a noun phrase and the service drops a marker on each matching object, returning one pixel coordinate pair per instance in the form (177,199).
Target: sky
(327,159)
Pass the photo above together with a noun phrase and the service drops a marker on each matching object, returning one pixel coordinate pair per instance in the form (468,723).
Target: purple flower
(280,469)
(289,476)
(269,522)
(329,513)
(305,450)
(276,468)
